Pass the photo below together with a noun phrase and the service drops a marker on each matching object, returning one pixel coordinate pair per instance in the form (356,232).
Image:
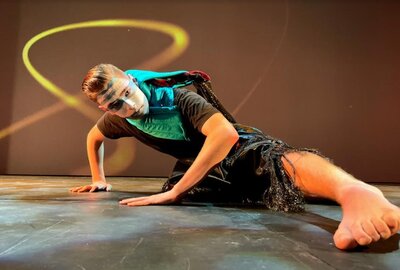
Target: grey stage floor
(43,226)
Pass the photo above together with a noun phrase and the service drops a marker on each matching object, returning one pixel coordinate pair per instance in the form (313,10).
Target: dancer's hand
(161,198)
(97,186)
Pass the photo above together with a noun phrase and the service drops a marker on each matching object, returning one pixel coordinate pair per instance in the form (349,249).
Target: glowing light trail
(178,46)
(180,43)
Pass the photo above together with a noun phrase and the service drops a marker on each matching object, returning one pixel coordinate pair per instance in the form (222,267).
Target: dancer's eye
(127,93)
(116,105)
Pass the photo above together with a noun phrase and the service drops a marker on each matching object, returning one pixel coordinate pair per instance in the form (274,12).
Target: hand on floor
(98,186)
(161,198)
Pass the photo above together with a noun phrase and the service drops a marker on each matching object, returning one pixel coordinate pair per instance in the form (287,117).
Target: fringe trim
(282,194)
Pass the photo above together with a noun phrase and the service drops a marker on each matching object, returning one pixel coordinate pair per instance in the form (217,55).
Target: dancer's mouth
(137,113)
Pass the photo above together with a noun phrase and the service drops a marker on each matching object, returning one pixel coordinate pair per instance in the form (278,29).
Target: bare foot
(367,217)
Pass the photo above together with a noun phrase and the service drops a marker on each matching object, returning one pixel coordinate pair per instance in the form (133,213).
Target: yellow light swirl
(178,46)
(179,36)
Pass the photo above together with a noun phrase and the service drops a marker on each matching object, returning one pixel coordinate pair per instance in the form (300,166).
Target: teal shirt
(164,119)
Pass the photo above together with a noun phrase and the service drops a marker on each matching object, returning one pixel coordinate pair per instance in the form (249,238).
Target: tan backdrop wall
(321,74)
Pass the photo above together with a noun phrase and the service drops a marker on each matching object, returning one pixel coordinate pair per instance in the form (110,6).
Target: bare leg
(367,215)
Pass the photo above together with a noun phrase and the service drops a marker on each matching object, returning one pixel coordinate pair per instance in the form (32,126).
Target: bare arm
(95,152)
(220,137)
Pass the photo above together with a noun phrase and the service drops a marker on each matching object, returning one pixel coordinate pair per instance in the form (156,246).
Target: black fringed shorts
(251,174)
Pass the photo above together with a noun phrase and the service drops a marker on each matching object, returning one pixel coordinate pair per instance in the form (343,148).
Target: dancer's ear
(104,109)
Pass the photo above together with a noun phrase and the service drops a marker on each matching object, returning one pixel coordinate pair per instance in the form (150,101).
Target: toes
(393,222)
(381,228)
(370,229)
(343,239)
(360,235)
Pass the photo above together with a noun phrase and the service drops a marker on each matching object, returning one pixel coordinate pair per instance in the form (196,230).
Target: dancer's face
(124,99)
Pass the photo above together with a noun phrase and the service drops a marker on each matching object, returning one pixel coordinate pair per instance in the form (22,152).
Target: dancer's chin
(138,114)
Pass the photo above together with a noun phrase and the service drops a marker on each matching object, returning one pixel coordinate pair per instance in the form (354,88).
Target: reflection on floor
(43,226)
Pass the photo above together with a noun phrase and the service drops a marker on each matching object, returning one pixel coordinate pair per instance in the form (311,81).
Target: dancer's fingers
(130,200)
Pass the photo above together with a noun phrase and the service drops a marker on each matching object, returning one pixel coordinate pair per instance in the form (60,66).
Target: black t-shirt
(195,112)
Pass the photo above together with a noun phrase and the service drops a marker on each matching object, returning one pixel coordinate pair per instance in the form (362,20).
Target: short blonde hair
(98,79)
